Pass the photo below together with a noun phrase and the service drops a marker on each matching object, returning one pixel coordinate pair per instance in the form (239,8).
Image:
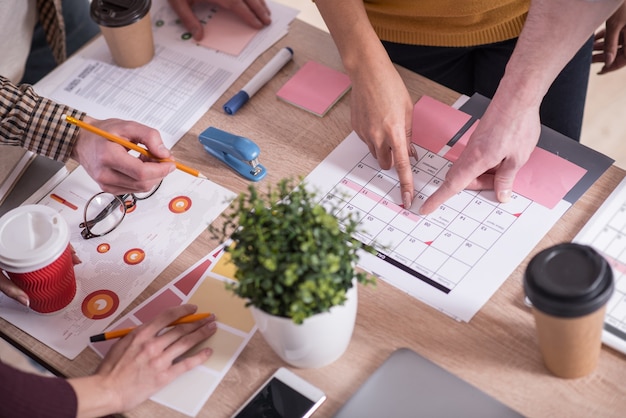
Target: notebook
(409,385)
(13,162)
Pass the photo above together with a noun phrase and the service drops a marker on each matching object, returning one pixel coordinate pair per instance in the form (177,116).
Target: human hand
(609,42)
(382,113)
(254,12)
(498,148)
(143,362)
(110,164)
(14,292)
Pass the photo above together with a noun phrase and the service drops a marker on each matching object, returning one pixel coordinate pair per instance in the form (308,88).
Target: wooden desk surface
(497,351)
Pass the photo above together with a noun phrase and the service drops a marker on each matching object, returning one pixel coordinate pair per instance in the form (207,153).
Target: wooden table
(497,351)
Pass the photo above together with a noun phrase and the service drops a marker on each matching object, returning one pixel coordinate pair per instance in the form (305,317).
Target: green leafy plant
(292,255)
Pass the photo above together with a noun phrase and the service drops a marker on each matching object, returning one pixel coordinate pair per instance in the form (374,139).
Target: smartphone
(283,395)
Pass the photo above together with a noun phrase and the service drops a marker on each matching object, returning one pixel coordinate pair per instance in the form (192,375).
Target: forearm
(26,394)
(353,35)
(34,122)
(552,34)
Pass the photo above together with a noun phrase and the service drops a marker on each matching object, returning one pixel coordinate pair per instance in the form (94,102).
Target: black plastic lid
(568,280)
(117,13)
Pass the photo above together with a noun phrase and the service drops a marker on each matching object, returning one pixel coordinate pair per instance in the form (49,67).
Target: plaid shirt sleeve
(35,123)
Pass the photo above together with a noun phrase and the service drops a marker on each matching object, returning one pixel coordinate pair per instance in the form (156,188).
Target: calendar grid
(439,249)
(455,258)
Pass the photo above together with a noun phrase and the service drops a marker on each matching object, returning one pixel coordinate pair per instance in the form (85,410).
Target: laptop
(409,385)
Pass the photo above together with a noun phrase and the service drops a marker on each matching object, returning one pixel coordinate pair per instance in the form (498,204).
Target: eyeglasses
(105,211)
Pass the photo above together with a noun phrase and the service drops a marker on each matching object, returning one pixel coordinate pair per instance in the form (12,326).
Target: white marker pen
(259,80)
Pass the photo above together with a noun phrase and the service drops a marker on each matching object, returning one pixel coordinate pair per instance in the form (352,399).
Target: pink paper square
(435,123)
(546,178)
(225,31)
(315,87)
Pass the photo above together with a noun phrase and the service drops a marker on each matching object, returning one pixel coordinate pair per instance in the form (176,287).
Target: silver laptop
(408,385)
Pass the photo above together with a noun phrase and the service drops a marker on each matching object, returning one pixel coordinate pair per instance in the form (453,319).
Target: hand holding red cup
(35,254)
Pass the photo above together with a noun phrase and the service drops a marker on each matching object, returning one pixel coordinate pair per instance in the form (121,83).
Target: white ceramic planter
(318,341)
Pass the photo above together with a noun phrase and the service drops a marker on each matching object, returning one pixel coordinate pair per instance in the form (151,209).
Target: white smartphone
(285,395)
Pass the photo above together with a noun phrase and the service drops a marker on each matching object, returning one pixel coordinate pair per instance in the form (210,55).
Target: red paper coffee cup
(36,255)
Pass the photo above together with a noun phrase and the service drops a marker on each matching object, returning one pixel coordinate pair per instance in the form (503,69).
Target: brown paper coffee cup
(570,347)
(127,29)
(569,286)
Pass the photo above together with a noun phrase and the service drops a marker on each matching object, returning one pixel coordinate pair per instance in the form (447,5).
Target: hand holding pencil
(136,367)
(111,166)
(109,335)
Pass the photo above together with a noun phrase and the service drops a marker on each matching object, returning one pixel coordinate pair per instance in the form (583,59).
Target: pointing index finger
(405,175)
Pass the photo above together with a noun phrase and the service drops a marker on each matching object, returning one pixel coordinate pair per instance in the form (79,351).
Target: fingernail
(194,33)
(212,325)
(413,151)
(75,259)
(24,300)
(406,200)
(172,168)
(504,196)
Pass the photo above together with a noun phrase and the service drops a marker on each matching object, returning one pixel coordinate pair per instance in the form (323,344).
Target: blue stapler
(239,153)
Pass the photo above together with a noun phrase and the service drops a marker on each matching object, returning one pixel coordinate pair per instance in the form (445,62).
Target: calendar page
(606,232)
(457,257)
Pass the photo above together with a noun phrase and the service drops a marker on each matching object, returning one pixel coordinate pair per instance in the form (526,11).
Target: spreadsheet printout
(457,257)
(606,232)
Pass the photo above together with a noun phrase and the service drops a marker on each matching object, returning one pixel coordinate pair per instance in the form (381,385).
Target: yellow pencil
(127,144)
(109,335)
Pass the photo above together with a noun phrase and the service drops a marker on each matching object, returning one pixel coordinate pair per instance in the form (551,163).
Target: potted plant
(296,269)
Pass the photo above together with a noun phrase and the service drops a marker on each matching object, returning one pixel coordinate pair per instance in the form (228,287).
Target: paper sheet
(117,267)
(457,257)
(171,92)
(606,232)
(203,285)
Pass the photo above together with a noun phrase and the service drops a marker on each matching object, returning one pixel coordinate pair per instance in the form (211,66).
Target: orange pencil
(130,145)
(109,335)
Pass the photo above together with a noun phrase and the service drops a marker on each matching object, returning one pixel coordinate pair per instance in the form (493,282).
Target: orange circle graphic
(103,248)
(100,304)
(134,256)
(180,204)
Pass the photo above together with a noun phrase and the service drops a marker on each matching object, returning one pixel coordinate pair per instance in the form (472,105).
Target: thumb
(503,182)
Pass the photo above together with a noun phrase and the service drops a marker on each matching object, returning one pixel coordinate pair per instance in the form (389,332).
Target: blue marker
(259,80)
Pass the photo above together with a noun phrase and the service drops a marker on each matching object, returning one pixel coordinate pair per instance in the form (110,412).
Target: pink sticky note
(315,87)
(435,123)
(226,32)
(546,178)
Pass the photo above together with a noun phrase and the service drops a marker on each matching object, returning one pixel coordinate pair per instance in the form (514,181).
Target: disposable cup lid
(118,13)
(31,237)
(568,280)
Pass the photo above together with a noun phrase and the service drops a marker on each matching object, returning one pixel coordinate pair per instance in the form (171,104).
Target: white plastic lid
(31,237)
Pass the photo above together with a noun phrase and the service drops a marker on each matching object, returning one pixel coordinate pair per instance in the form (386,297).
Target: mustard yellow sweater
(452,23)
